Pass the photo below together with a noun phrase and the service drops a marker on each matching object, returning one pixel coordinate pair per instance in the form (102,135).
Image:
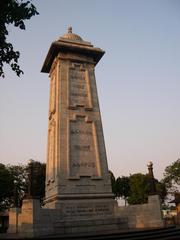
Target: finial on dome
(69,29)
(72,36)
(150,164)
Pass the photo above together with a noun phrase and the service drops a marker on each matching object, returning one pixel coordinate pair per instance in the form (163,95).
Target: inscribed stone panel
(51,151)
(83,149)
(52,104)
(78,87)
(87,210)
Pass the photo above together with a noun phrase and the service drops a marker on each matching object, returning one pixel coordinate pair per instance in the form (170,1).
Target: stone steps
(172,233)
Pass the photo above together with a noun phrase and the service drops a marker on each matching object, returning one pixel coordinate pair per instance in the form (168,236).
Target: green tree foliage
(14,183)
(12,12)
(6,187)
(172,176)
(19,176)
(122,188)
(161,190)
(113,183)
(138,188)
(38,179)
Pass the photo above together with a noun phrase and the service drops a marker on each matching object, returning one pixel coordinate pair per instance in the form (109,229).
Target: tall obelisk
(77,171)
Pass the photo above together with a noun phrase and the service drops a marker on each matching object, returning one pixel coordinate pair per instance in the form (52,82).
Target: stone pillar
(77,172)
(151,179)
(178,213)
(14,222)
(30,215)
(155,214)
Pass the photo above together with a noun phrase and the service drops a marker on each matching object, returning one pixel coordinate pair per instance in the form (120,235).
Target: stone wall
(143,215)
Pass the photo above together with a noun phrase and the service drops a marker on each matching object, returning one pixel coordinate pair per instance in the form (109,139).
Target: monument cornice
(65,46)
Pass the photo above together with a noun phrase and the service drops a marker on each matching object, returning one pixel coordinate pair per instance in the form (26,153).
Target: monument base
(83,206)
(81,215)
(84,216)
(72,216)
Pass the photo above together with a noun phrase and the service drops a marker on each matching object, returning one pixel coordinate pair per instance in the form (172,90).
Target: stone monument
(78,195)
(77,177)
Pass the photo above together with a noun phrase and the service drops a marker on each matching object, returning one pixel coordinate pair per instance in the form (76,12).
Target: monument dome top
(72,43)
(72,36)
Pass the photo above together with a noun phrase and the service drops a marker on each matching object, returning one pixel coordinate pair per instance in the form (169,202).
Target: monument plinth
(77,177)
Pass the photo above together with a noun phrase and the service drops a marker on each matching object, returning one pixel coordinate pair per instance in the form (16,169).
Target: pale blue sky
(138,80)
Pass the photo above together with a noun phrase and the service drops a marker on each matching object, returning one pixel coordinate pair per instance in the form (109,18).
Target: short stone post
(14,212)
(151,179)
(154,200)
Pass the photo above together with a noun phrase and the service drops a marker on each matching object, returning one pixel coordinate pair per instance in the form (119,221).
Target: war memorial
(78,196)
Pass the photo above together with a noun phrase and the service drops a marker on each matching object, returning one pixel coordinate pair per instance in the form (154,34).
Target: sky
(138,81)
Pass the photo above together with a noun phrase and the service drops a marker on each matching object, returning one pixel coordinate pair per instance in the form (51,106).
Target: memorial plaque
(84,156)
(88,210)
(78,86)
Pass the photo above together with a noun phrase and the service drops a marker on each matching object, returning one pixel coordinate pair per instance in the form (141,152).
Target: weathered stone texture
(147,215)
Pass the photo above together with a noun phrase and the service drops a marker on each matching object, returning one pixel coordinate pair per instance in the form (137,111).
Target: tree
(14,183)
(19,176)
(136,188)
(21,173)
(138,184)
(140,188)
(113,183)
(38,179)
(161,189)
(122,188)
(172,176)
(6,187)
(12,12)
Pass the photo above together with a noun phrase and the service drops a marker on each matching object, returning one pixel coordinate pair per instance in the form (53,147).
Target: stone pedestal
(80,216)
(85,216)
(29,215)
(32,219)
(23,221)
(156,215)
(178,213)
(14,220)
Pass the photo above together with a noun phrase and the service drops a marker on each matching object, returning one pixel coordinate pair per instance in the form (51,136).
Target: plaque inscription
(98,210)
(79,93)
(83,155)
